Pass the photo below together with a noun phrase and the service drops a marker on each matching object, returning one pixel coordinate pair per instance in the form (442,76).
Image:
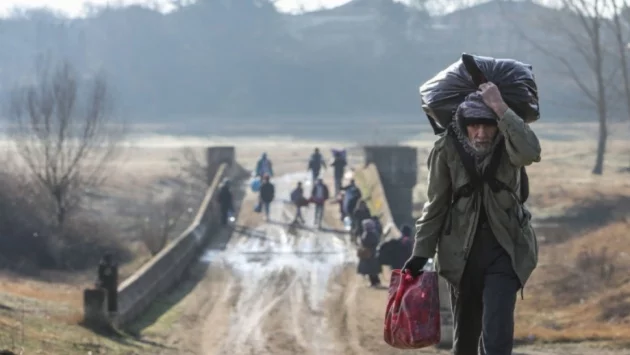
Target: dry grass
(578,301)
(577,212)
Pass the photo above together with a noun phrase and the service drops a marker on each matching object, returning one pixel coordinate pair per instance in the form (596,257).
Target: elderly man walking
(476,220)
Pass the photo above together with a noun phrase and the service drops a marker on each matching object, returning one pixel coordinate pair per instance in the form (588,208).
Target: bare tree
(193,169)
(163,217)
(64,134)
(620,30)
(581,24)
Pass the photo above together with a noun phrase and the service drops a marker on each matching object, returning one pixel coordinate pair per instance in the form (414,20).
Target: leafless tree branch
(156,226)
(581,22)
(64,134)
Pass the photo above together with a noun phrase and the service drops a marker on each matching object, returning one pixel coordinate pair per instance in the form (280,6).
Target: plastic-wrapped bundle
(255,184)
(445,91)
(339,151)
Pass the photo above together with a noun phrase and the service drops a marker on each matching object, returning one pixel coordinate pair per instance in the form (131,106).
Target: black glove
(414,265)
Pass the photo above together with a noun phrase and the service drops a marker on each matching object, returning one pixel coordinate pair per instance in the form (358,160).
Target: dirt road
(280,277)
(279,290)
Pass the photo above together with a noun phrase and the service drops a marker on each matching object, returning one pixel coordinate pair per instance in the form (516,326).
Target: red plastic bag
(412,319)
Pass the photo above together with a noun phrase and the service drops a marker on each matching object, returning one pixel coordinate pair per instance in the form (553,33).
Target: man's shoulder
(444,142)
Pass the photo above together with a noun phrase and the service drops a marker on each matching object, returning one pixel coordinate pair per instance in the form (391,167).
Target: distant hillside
(237,58)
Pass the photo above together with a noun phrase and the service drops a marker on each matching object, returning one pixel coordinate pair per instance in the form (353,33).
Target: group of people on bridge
(364,226)
(319,193)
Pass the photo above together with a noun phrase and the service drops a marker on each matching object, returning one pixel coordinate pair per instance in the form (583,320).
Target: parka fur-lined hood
(474,110)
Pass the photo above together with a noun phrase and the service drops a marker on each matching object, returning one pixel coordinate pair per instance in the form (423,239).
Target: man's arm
(521,142)
(439,193)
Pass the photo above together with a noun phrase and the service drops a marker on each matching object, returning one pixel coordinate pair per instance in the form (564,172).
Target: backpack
(488,177)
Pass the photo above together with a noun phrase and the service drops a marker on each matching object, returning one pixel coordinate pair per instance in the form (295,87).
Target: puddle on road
(315,255)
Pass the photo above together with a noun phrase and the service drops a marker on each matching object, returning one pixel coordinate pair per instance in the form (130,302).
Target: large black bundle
(445,91)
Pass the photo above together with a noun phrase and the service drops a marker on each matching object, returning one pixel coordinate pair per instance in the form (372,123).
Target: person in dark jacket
(378,225)
(396,251)
(315,164)
(319,196)
(225,201)
(267,194)
(368,262)
(339,166)
(360,213)
(351,197)
(108,280)
(339,198)
(298,199)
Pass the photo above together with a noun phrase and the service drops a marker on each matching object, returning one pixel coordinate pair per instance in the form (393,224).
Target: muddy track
(276,302)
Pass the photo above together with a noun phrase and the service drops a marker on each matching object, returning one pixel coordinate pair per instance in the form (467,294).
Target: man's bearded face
(481,136)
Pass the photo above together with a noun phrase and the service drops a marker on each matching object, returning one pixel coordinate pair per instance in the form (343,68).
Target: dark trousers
(338,180)
(315,174)
(298,215)
(265,206)
(319,214)
(374,280)
(483,305)
(224,215)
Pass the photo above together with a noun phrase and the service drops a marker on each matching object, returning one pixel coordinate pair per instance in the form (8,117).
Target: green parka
(508,218)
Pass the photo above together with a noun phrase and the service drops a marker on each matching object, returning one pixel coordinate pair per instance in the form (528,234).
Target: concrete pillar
(398,171)
(94,308)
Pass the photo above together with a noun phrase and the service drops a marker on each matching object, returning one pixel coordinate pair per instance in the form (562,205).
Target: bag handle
(405,280)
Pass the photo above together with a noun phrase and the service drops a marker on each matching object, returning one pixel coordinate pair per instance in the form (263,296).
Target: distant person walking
(378,225)
(225,201)
(361,213)
(351,197)
(315,163)
(339,166)
(319,196)
(298,199)
(267,194)
(264,166)
(368,243)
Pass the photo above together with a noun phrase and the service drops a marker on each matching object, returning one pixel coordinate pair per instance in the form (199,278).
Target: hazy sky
(76,7)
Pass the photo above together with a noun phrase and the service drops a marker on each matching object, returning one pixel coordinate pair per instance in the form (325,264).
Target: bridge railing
(137,292)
